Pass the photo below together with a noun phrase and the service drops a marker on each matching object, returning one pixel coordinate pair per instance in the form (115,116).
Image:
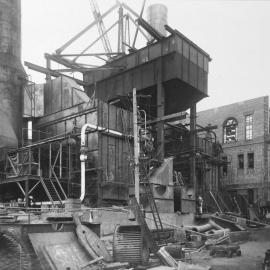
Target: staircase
(53,190)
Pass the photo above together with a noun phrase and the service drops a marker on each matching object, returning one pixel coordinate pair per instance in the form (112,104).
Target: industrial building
(122,134)
(123,129)
(243,131)
(41,142)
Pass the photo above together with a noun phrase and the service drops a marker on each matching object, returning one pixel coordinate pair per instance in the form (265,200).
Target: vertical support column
(26,190)
(120,30)
(30,161)
(39,168)
(48,79)
(136,147)
(265,150)
(160,111)
(193,149)
(69,168)
(48,76)
(60,160)
(50,160)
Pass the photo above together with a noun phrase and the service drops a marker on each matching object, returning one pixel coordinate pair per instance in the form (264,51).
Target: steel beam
(137,28)
(96,40)
(52,72)
(88,54)
(62,61)
(167,118)
(58,51)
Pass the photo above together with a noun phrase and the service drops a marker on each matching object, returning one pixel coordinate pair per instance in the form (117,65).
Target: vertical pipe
(29,131)
(136,147)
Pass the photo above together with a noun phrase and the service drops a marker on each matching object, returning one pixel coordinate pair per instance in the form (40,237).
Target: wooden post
(136,147)
(160,112)
(193,149)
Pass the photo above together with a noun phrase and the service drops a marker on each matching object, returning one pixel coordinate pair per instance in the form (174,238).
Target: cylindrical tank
(157,17)
(12,75)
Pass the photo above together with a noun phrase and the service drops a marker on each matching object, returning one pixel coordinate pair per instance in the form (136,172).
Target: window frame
(248,160)
(226,126)
(242,167)
(249,127)
(225,166)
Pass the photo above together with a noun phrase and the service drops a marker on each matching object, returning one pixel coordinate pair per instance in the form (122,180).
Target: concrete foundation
(109,220)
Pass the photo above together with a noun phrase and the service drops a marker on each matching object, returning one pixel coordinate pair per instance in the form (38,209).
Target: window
(225,166)
(249,126)
(230,130)
(241,161)
(250,160)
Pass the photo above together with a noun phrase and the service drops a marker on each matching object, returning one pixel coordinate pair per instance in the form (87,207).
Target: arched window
(230,130)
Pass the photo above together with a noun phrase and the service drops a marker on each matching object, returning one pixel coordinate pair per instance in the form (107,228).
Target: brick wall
(243,179)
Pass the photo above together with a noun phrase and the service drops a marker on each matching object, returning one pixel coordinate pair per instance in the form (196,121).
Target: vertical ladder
(145,180)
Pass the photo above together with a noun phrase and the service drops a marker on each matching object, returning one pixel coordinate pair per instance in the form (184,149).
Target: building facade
(243,131)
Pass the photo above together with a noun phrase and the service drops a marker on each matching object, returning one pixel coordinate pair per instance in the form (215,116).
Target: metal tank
(12,75)
(157,17)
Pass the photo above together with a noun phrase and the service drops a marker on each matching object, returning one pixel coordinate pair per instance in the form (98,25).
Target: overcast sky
(236,34)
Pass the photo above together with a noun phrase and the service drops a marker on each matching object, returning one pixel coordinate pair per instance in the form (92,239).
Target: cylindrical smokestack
(157,17)
(12,75)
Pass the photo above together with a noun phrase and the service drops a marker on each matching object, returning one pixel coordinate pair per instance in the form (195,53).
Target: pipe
(84,149)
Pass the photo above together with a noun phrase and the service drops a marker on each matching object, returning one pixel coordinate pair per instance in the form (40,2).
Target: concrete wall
(12,75)
(109,220)
(243,179)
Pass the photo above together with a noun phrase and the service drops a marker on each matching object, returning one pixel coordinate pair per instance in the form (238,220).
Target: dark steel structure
(170,75)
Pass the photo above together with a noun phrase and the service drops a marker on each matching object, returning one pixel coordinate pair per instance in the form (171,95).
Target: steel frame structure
(26,164)
(70,60)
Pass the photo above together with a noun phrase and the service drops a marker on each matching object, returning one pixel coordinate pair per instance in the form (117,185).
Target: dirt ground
(253,252)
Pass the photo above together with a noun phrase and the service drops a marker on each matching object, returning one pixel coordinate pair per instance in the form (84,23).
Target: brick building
(243,131)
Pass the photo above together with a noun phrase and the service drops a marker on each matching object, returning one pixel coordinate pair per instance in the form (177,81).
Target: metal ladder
(145,180)
(145,229)
(50,188)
